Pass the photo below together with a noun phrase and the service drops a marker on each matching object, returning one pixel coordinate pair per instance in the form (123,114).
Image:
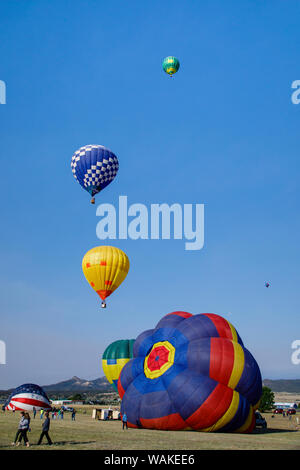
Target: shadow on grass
(64,443)
(54,444)
(272,431)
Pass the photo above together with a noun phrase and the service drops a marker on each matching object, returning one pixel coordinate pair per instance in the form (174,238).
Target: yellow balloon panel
(105,268)
(112,371)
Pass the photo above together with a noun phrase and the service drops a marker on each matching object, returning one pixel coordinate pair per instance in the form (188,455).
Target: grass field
(88,434)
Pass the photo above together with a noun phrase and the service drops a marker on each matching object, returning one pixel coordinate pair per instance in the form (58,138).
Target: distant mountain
(283,385)
(75,384)
(101,385)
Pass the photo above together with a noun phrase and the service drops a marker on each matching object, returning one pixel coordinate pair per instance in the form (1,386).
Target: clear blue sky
(222,132)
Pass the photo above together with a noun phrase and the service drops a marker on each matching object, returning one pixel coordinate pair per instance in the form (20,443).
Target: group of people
(24,425)
(57,414)
(24,428)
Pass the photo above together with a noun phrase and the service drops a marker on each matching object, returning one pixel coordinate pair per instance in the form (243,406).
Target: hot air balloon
(191,372)
(94,167)
(26,397)
(170,65)
(267,284)
(105,268)
(114,358)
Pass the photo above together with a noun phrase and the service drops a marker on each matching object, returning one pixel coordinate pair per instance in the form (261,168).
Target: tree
(267,400)
(76,397)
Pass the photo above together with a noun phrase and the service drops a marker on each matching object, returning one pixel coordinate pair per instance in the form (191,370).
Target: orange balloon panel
(105,268)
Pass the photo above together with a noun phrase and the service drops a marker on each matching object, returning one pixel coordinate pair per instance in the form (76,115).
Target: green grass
(86,433)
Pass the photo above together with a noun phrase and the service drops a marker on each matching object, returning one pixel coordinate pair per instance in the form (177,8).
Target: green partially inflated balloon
(114,358)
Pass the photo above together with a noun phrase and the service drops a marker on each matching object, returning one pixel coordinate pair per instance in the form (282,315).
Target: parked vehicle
(67,408)
(278,411)
(292,411)
(260,422)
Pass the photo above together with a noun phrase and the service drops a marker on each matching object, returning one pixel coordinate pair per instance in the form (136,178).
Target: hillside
(75,384)
(101,385)
(283,385)
(96,389)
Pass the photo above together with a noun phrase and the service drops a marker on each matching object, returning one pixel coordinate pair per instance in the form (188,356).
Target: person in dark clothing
(45,430)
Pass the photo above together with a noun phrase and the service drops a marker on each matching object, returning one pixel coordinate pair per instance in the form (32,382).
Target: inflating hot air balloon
(105,268)
(114,358)
(171,65)
(191,372)
(94,167)
(26,397)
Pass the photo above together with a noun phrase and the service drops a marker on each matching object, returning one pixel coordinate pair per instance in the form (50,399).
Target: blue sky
(222,132)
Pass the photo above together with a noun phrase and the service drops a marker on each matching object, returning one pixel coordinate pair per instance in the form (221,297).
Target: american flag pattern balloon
(26,397)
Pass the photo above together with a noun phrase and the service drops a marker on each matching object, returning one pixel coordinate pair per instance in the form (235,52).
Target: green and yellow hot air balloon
(114,358)
(171,65)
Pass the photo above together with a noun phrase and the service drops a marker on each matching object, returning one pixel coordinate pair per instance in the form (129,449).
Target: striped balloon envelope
(191,372)
(114,358)
(26,397)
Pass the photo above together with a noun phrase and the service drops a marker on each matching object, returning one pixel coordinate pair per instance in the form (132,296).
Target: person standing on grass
(45,430)
(27,416)
(34,412)
(73,414)
(124,421)
(19,428)
(22,431)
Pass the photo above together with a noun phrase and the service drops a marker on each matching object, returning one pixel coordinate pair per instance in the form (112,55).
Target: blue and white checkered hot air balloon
(94,167)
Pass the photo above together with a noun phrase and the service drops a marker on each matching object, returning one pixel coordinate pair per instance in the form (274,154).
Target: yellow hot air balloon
(105,268)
